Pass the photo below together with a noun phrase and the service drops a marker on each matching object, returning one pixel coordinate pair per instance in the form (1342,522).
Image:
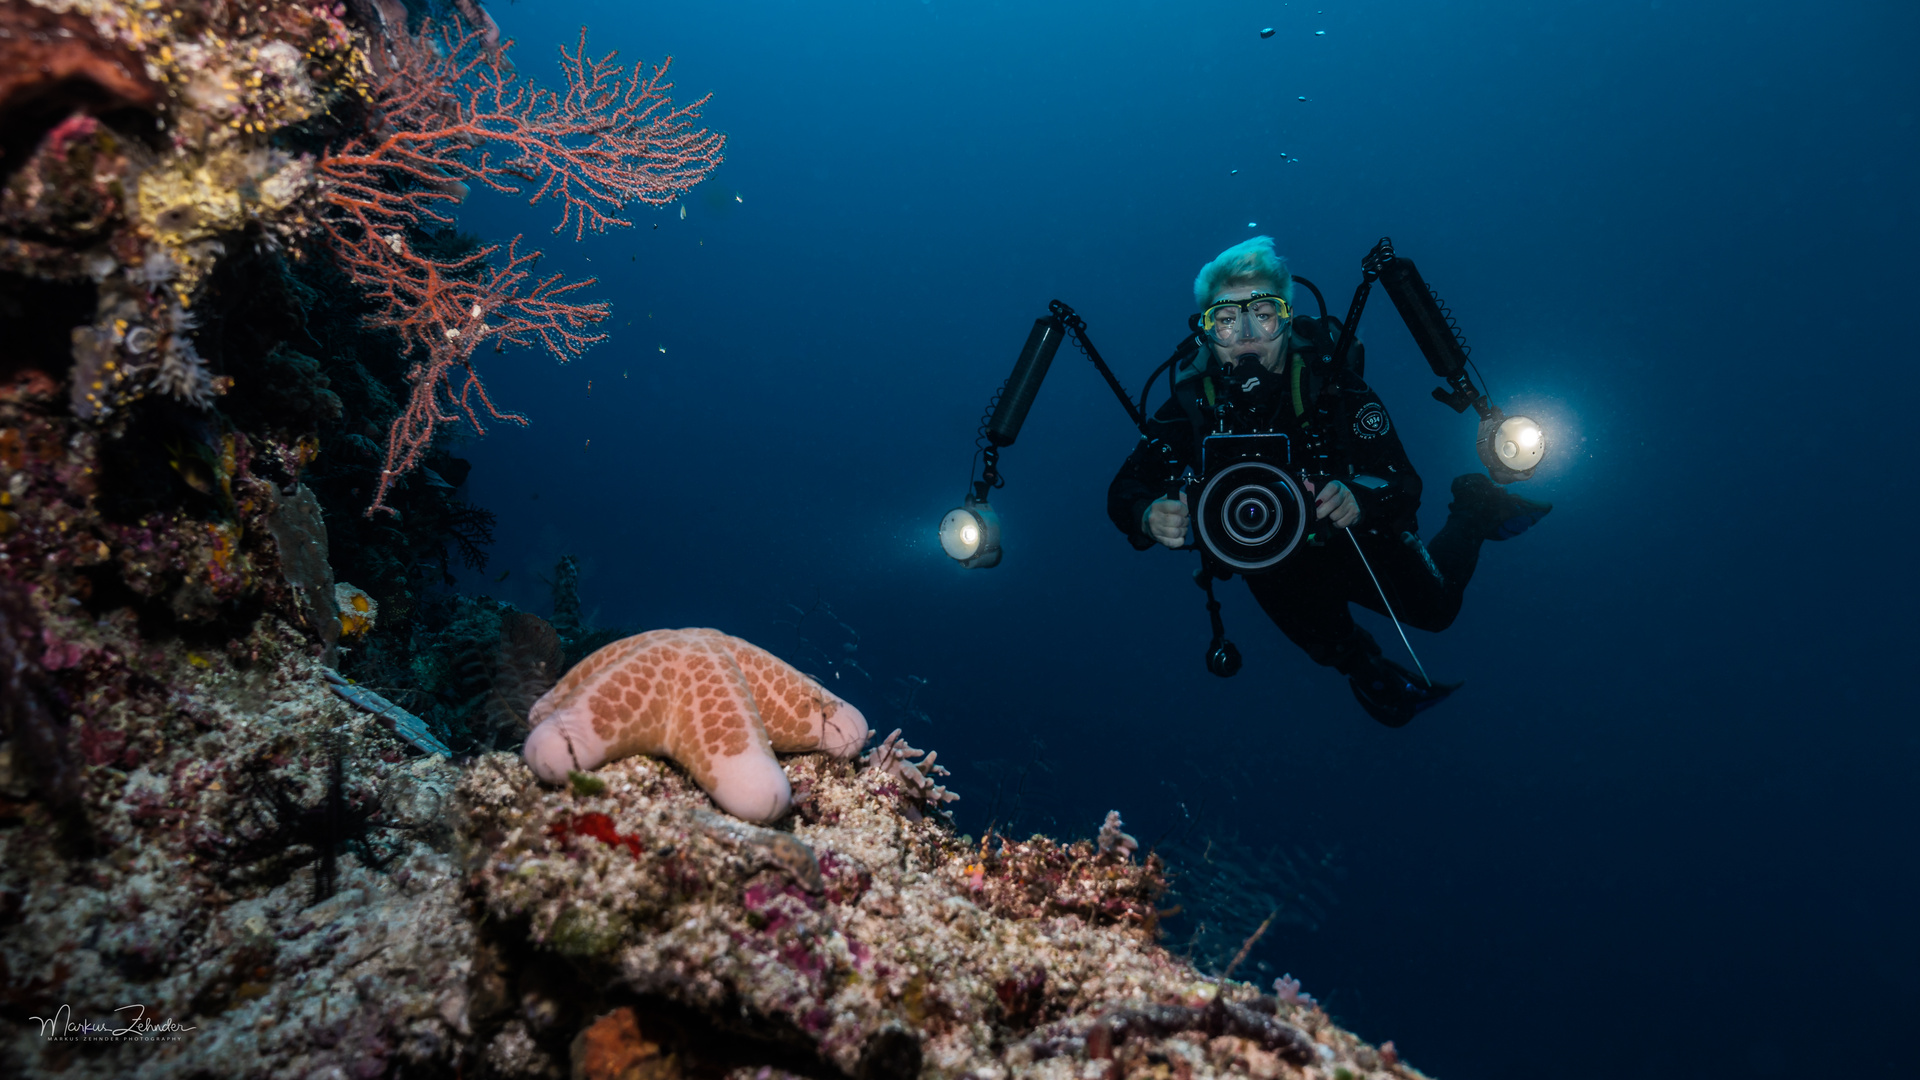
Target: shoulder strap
(1356,354)
(1190,393)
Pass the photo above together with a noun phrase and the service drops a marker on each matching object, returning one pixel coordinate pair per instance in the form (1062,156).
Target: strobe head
(1251,513)
(970,535)
(1511,446)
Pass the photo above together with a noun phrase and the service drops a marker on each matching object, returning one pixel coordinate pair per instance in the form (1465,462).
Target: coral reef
(472,921)
(242,794)
(160,404)
(863,942)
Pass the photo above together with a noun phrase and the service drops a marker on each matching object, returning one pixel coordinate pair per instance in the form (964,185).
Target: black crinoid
(275,830)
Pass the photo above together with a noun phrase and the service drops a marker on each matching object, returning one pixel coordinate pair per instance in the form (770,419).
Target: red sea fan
(449,113)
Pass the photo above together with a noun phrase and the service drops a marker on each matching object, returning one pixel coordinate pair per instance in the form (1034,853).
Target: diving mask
(1257,319)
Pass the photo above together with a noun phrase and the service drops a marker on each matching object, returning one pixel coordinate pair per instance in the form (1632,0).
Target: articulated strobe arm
(1433,329)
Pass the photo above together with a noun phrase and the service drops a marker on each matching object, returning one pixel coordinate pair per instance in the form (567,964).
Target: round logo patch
(1371,421)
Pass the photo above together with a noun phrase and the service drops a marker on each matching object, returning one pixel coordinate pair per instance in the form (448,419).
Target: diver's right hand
(1166,521)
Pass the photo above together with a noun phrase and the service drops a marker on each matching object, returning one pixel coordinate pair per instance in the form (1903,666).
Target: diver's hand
(1336,501)
(1166,521)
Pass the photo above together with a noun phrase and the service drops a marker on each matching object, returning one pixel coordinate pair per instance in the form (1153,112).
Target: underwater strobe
(970,533)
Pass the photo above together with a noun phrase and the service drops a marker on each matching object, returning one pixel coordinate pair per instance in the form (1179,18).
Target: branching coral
(900,764)
(1112,841)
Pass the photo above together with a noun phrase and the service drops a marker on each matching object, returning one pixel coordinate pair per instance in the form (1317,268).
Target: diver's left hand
(1336,501)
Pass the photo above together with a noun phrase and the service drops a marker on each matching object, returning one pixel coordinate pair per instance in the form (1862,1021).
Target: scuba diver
(1277,370)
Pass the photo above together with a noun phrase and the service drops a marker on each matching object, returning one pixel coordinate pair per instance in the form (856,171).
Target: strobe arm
(1010,410)
(1007,412)
(1036,357)
(1435,333)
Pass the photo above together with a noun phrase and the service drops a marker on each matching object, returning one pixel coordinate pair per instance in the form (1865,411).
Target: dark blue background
(1668,826)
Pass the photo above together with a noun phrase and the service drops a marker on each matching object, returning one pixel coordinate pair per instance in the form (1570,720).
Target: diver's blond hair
(1255,261)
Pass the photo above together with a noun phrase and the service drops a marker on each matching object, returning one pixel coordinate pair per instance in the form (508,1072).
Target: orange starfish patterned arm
(716,704)
(800,714)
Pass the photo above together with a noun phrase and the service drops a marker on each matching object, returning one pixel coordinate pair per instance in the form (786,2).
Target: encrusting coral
(717,705)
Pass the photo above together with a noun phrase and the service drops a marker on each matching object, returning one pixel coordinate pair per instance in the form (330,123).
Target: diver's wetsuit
(1307,594)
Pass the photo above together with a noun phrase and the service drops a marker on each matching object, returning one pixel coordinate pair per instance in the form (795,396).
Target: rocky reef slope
(476,923)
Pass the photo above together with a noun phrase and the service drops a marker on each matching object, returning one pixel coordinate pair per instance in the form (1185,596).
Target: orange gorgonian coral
(448,113)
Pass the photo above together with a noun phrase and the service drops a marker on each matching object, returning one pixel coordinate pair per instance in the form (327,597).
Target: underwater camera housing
(1252,508)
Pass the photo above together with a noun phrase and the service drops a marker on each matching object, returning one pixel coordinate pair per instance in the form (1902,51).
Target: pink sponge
(714,703)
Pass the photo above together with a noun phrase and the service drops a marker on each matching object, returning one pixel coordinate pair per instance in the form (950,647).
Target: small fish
(584,448)
(502,577)
(683,212)
(1267,32)
(196,478)
(589,387)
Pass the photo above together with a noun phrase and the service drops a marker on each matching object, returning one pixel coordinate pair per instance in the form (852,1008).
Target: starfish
(718,705)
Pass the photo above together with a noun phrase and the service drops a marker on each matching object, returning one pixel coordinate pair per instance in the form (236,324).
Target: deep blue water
(1668,826)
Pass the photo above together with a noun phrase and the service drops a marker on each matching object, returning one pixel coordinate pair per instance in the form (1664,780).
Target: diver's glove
(1497,513)
(1393,695)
